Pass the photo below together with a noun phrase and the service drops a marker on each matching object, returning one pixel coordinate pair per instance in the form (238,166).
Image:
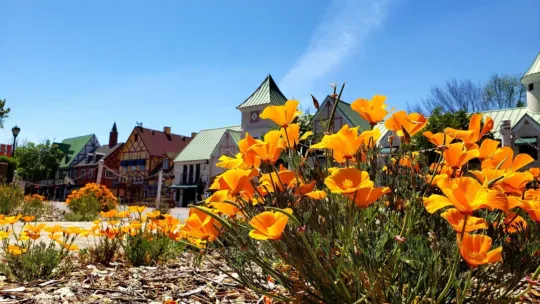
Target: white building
(195,167)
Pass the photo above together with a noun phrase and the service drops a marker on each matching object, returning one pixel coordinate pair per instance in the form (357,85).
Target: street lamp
(15,131)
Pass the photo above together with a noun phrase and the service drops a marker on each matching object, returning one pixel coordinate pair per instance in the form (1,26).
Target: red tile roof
(159,143)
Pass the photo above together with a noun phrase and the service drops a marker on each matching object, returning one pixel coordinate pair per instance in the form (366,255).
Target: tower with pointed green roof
(531,81)
(267,94)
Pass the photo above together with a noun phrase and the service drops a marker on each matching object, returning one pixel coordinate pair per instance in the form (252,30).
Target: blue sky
(69,68)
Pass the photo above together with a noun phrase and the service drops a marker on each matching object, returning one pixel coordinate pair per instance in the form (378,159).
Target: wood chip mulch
(179,280)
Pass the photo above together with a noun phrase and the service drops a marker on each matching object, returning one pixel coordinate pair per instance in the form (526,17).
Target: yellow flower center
(347,183)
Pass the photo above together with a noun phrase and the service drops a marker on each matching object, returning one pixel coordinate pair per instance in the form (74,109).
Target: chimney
(506,132)
(113,136)
(167,130)
(193,134)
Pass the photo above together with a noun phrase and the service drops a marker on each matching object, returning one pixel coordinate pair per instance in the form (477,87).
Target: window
(531,87)
(90,173)
(165,163)
(184,174)
(197,173)
(528,145)
(110,174)
(133,168)
(83,172)
(142,167)
(190,176)
(136,138)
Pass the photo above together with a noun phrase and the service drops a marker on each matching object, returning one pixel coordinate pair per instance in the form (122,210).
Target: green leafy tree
(437,122)
(3,112)
(37,161)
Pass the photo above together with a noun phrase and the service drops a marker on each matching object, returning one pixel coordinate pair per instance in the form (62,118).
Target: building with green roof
(344,115)
(195,166)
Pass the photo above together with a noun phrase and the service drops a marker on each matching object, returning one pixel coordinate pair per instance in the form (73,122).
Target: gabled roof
(204,144)
(346,110)
(267,93)
(533,73)
(515,115)
(158,143)
(105,151)
(74,146)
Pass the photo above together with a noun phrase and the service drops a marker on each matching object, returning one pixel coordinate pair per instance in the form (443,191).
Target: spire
(113,136)
(268,93)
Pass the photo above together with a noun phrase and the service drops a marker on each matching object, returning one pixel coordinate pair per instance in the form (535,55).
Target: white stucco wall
(255,129)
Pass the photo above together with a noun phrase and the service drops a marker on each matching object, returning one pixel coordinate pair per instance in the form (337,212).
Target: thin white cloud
(342,32)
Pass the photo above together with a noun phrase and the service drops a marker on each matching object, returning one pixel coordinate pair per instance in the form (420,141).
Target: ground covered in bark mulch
(180,280)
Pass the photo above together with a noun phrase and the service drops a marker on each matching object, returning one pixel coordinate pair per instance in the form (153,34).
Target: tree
(504,91)
(499,92)
(37,161)
(3,112)
(463,95)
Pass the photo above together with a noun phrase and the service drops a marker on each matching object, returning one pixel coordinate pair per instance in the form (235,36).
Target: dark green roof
(267,93)
(204,143)
(75,144)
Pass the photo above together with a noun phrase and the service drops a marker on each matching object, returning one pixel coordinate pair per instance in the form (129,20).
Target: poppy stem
(524,292)
(331,123)
(464,226)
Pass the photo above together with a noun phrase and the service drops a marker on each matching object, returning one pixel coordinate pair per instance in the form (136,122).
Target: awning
(387,150)
(183,186)
(526,141)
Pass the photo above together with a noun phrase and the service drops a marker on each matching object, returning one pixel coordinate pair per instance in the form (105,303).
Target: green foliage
(103,252)
(12,166)
(11,199)
(3,112)
(41,262)
(437,122)
(84,208)
(37,161)
(144,250)
(35,207)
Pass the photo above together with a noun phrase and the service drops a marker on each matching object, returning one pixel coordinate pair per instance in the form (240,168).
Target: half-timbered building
(141,159)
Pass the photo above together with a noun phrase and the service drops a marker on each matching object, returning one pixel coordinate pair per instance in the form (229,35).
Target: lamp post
(15,131)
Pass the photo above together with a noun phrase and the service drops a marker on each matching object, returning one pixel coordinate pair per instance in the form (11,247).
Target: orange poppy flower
(217,201)
(270,149)
(347,180)
(236,181)
(136,209)
(438,139)
(474,133)
(406,124)
(300,187)
(490,176)
(227,162)
(488,148)
(533,209)
(366,196)
(282,115)
(4,234)
(504,160)
(110,214)
(11,219)
(201,225)
(249,157)
(514,182)
(269,225)
(27,218)
(317,194)
(346,142)
(475,250)
(466,195)
(456,156)
(271,181)
(373,111)
(456,220)
(535,173)
(291,135)
(410,161)
(16,250)
(514,223)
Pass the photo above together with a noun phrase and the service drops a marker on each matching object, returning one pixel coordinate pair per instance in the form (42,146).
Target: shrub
(88,201)
(33,205)
(358,226)
(145,239)
(26,258)
(11,198)
(104,251)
